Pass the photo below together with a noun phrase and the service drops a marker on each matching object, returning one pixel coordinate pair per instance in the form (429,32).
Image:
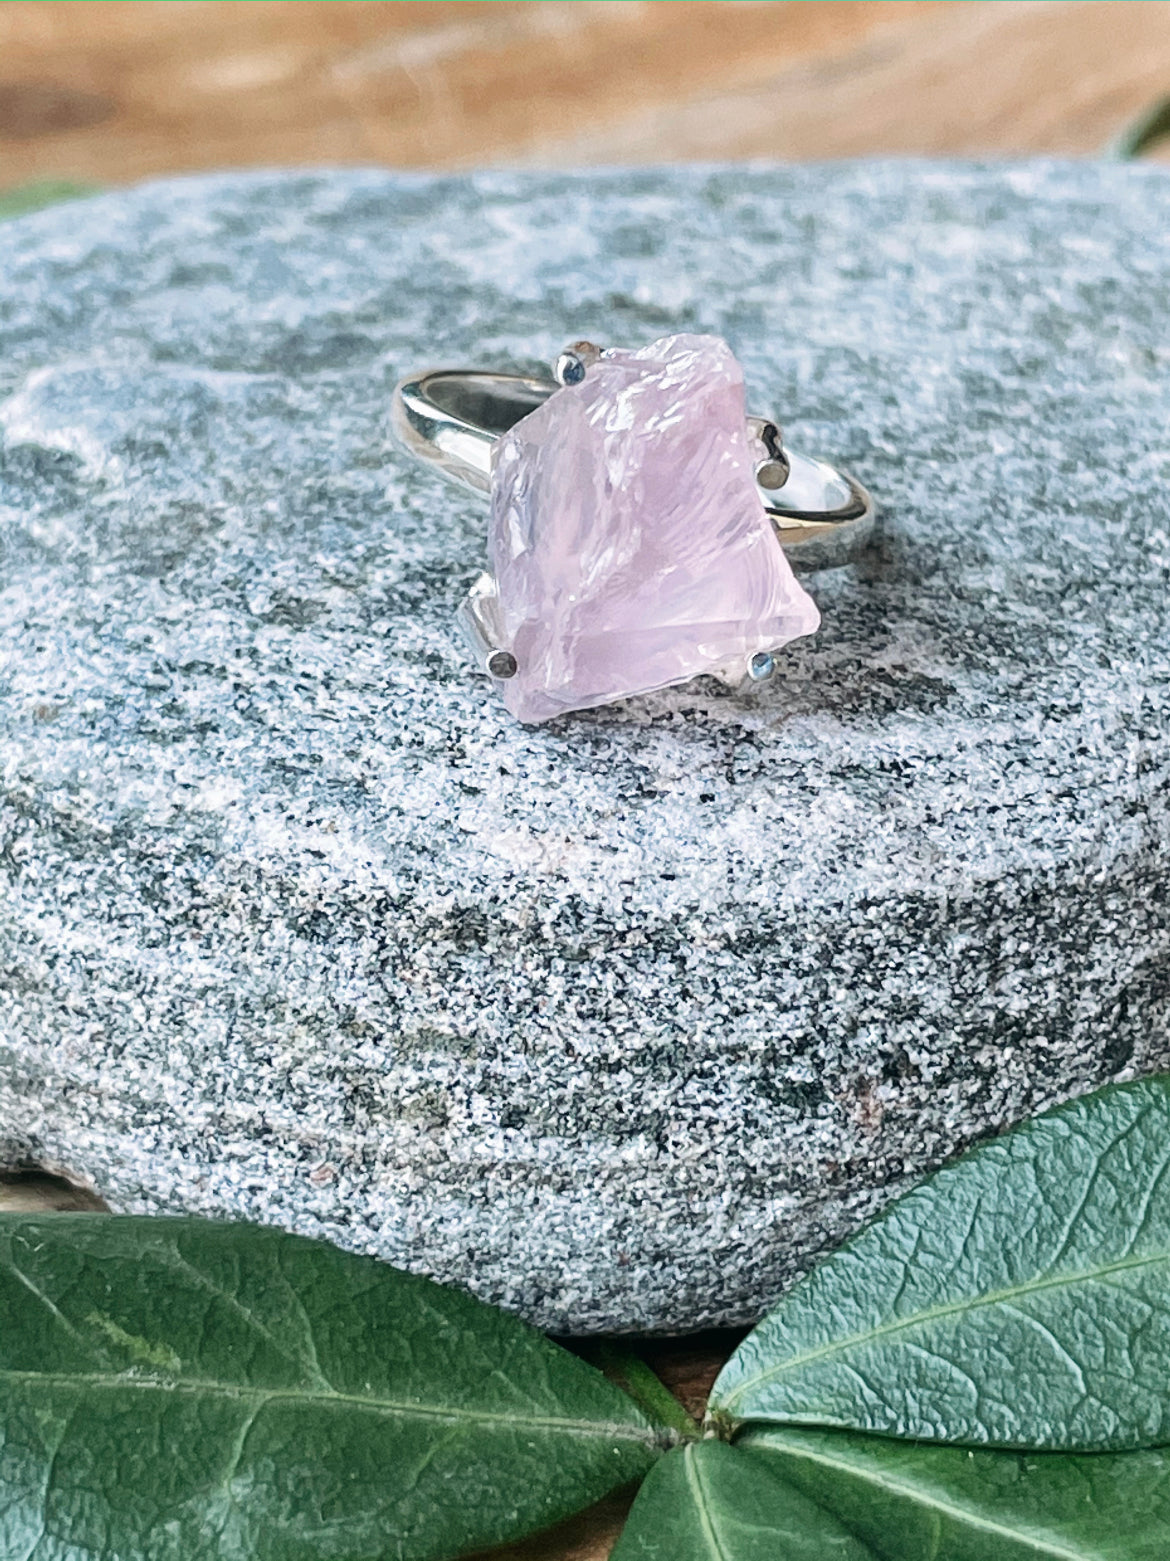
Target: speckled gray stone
(621,1020)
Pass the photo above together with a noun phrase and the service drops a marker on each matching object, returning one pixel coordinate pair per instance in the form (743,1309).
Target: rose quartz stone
(629,543)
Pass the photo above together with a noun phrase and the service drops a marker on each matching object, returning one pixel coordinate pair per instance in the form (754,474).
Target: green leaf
(910,1502)
(1146,131)
(806,1495)
(45,192)
(1019,1298)
(710,1502)
(175,1390)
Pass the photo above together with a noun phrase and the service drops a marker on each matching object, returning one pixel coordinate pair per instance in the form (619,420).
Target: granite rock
(621,1020)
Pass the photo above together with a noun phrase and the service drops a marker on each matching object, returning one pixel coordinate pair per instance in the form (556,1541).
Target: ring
(643,526)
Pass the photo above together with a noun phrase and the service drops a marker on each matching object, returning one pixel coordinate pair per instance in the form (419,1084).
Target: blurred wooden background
(118,91)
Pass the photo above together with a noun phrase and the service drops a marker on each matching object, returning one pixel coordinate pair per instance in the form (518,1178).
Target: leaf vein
(934,1314)
(71,1329)
(702,1505)
(1042,1544)
(1058,1348)
(601,1430)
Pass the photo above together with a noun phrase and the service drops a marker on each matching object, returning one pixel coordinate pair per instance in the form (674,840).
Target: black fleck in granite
(619,1021)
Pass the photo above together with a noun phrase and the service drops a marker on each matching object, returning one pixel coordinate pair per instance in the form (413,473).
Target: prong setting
(479,619)
(573,364)
(567,499)
(773,471)
(502,664)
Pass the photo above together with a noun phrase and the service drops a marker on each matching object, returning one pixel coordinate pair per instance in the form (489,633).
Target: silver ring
(487,432)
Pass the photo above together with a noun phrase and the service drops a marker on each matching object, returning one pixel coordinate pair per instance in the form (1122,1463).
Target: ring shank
(451,418)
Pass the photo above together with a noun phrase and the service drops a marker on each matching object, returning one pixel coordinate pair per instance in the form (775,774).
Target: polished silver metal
(450,419)
(502,664)
(479,622)
(572,364)
(773,471)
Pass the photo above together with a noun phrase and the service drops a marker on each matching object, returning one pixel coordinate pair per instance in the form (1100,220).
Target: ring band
(450,419)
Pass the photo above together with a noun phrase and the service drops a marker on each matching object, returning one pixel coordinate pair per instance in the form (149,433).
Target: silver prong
(772,474)
(502,664)
(570,368)
(773,471)
(478,617)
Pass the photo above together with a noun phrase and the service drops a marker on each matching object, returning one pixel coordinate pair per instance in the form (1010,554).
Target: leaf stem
(720,1425)
(632,1374)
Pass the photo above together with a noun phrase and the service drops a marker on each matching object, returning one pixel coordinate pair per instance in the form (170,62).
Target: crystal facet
(629,543)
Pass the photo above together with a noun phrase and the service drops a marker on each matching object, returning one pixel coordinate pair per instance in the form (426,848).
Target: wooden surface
(118,91)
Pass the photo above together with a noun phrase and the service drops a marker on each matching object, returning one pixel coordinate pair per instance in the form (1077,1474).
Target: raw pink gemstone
(629,542)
